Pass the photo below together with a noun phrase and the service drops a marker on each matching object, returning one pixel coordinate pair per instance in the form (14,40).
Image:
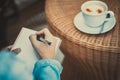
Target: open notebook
(28,54)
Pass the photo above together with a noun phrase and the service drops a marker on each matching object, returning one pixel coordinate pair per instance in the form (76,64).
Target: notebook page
(28,54)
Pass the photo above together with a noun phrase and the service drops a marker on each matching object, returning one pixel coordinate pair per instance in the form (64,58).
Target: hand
(44,50)
(16,51)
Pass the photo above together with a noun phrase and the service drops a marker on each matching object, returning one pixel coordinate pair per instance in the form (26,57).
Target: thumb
(16,51)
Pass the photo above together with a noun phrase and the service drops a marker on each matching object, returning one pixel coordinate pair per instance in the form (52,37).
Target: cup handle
(109,15)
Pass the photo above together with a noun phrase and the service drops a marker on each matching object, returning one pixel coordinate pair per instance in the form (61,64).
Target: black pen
(41,38)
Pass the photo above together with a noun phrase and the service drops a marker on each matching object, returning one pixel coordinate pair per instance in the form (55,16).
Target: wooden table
(88,57)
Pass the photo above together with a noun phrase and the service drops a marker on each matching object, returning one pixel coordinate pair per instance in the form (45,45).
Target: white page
(28,54)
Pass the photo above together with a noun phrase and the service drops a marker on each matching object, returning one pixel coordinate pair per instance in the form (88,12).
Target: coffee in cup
(93,9)
(95,12)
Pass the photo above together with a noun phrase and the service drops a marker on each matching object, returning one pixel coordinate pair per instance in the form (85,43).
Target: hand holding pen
(41,38)
(44,43)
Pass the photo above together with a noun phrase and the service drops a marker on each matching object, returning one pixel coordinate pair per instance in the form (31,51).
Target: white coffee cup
(95,12)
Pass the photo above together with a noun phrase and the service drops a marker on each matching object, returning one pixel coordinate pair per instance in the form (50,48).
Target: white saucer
(80,25)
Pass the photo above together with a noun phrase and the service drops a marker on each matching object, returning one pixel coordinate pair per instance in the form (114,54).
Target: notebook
(28,53)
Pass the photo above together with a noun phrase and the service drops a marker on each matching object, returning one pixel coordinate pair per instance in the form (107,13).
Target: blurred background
(15,14)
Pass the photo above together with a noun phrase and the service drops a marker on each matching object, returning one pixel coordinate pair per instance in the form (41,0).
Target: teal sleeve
(47,69)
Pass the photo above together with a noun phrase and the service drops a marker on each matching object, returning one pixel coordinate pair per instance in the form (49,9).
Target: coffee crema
(94,9)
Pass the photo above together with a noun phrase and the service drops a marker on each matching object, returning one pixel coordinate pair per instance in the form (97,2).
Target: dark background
(15,14)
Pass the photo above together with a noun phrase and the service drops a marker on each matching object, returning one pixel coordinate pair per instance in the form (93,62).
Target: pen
(41,38)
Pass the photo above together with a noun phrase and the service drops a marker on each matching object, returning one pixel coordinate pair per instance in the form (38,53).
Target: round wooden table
(88,57)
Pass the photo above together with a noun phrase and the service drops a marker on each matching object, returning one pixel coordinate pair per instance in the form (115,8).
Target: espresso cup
(95,12)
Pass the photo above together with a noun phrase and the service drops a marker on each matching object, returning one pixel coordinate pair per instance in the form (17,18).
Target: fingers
(34,41)
(33,38)
(44,31)
(41,48)
(16,51)
(47,34)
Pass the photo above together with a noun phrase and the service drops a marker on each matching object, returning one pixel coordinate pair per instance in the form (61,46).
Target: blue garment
(47,69)
(12,68)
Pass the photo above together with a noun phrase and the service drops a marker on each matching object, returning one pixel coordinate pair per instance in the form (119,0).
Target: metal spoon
(102,26)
